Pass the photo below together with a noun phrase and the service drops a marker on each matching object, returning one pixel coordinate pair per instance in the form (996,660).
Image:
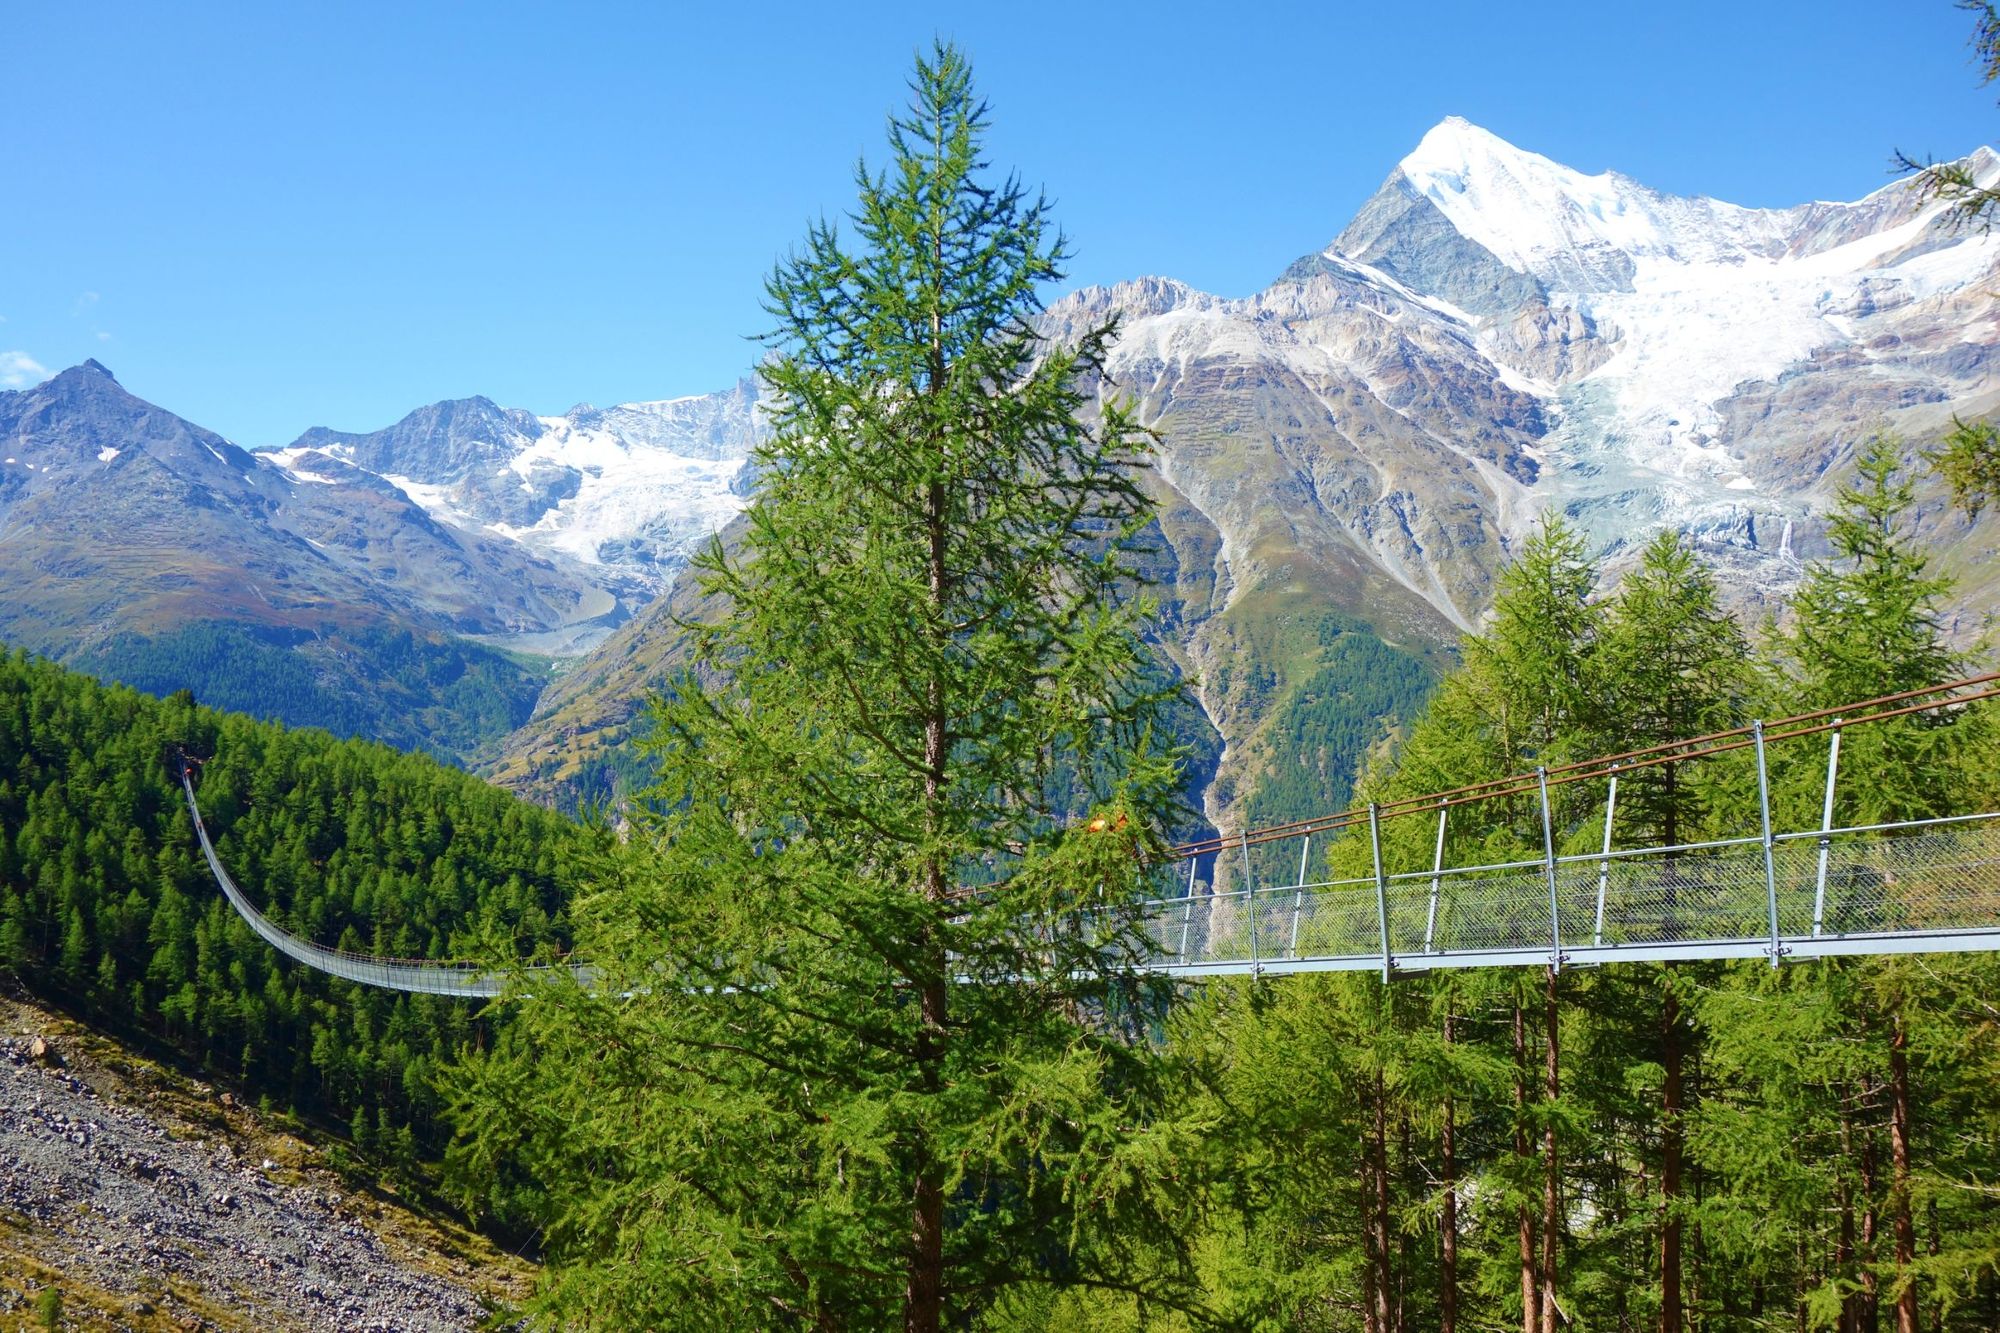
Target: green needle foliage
(1968,459)
(866,1057)
(1868,623)
(107,906)
(1671,664)
(1968,456)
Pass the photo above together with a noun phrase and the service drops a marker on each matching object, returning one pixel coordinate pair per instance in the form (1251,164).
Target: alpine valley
(1346,460)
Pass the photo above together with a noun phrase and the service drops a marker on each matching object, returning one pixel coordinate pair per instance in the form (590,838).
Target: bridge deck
(1922,887)
(1925,886)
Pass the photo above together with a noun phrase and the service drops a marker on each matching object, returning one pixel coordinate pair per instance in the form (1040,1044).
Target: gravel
(116,1197)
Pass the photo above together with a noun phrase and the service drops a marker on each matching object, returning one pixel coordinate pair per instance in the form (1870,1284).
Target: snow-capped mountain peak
(622,492)
(1573,231)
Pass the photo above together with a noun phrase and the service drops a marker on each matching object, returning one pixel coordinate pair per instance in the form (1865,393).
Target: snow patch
(287,462)
(434,500)
(104,455)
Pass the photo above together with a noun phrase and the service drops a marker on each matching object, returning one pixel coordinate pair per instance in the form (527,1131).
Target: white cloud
(103,337)
(18,370)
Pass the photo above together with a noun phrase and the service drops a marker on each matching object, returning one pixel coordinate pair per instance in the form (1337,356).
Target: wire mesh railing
(1925,885)
(1259,901)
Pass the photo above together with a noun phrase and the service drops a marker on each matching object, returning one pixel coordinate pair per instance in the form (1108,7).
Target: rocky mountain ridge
(115,512)
(617,495)
(1492,336)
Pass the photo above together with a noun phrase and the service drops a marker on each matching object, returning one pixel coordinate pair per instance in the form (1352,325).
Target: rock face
(357,582)
(140,546)
(1492,336)
(1495,335)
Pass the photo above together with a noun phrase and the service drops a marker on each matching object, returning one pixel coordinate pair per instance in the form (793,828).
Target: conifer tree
(1538,648)
(1671,664)
(861,1053)
(1866,623)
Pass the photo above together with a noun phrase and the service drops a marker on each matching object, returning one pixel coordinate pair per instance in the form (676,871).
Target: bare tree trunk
(1899,1190)
(1531,1292)
(1448,1223)
(923,1302)
(1406,1262)
(1551,1163)
(1371,1318)
(1843,1250)
(1671,1316)
(1871,1297)
(1379,1222)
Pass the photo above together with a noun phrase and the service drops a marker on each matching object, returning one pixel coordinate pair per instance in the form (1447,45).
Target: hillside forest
(859,1047)
(1809,1146)
(107,905)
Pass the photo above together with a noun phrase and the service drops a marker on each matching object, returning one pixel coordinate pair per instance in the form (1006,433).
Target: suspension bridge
(1250,903)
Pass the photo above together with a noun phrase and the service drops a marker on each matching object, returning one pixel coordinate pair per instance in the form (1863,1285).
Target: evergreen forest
(1684,1146)
(107,905)
(863,1046)
(1812,1146)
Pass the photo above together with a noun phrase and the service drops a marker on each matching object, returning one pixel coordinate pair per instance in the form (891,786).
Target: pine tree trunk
(1696,1274)
(1531,1292)
(1871,1304)
(923,1306)
(1936,1245)
(1843,1252)
(1551,1219)
(1899,1148)
(1448,1223)
(1671,1317)
(1370,1321)
(1379,1221)
(924,1290)
(1406,1262)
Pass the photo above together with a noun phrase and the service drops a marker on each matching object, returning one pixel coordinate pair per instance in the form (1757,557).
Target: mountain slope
(153,1201)
(1362,443)
(1495,335)
(142,545)
(618,496)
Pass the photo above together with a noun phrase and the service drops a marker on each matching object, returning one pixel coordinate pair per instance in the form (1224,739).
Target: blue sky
(267,217)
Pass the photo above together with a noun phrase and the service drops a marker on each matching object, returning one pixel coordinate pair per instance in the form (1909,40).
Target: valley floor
(153,1202)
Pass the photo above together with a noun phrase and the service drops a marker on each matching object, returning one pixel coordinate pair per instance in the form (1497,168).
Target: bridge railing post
(1250,903)
(1549,868)
(1299,896)
(1770,866)
(1604,860)
(1187,911)
(1381,888)
(1825,829)
(1437,878)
